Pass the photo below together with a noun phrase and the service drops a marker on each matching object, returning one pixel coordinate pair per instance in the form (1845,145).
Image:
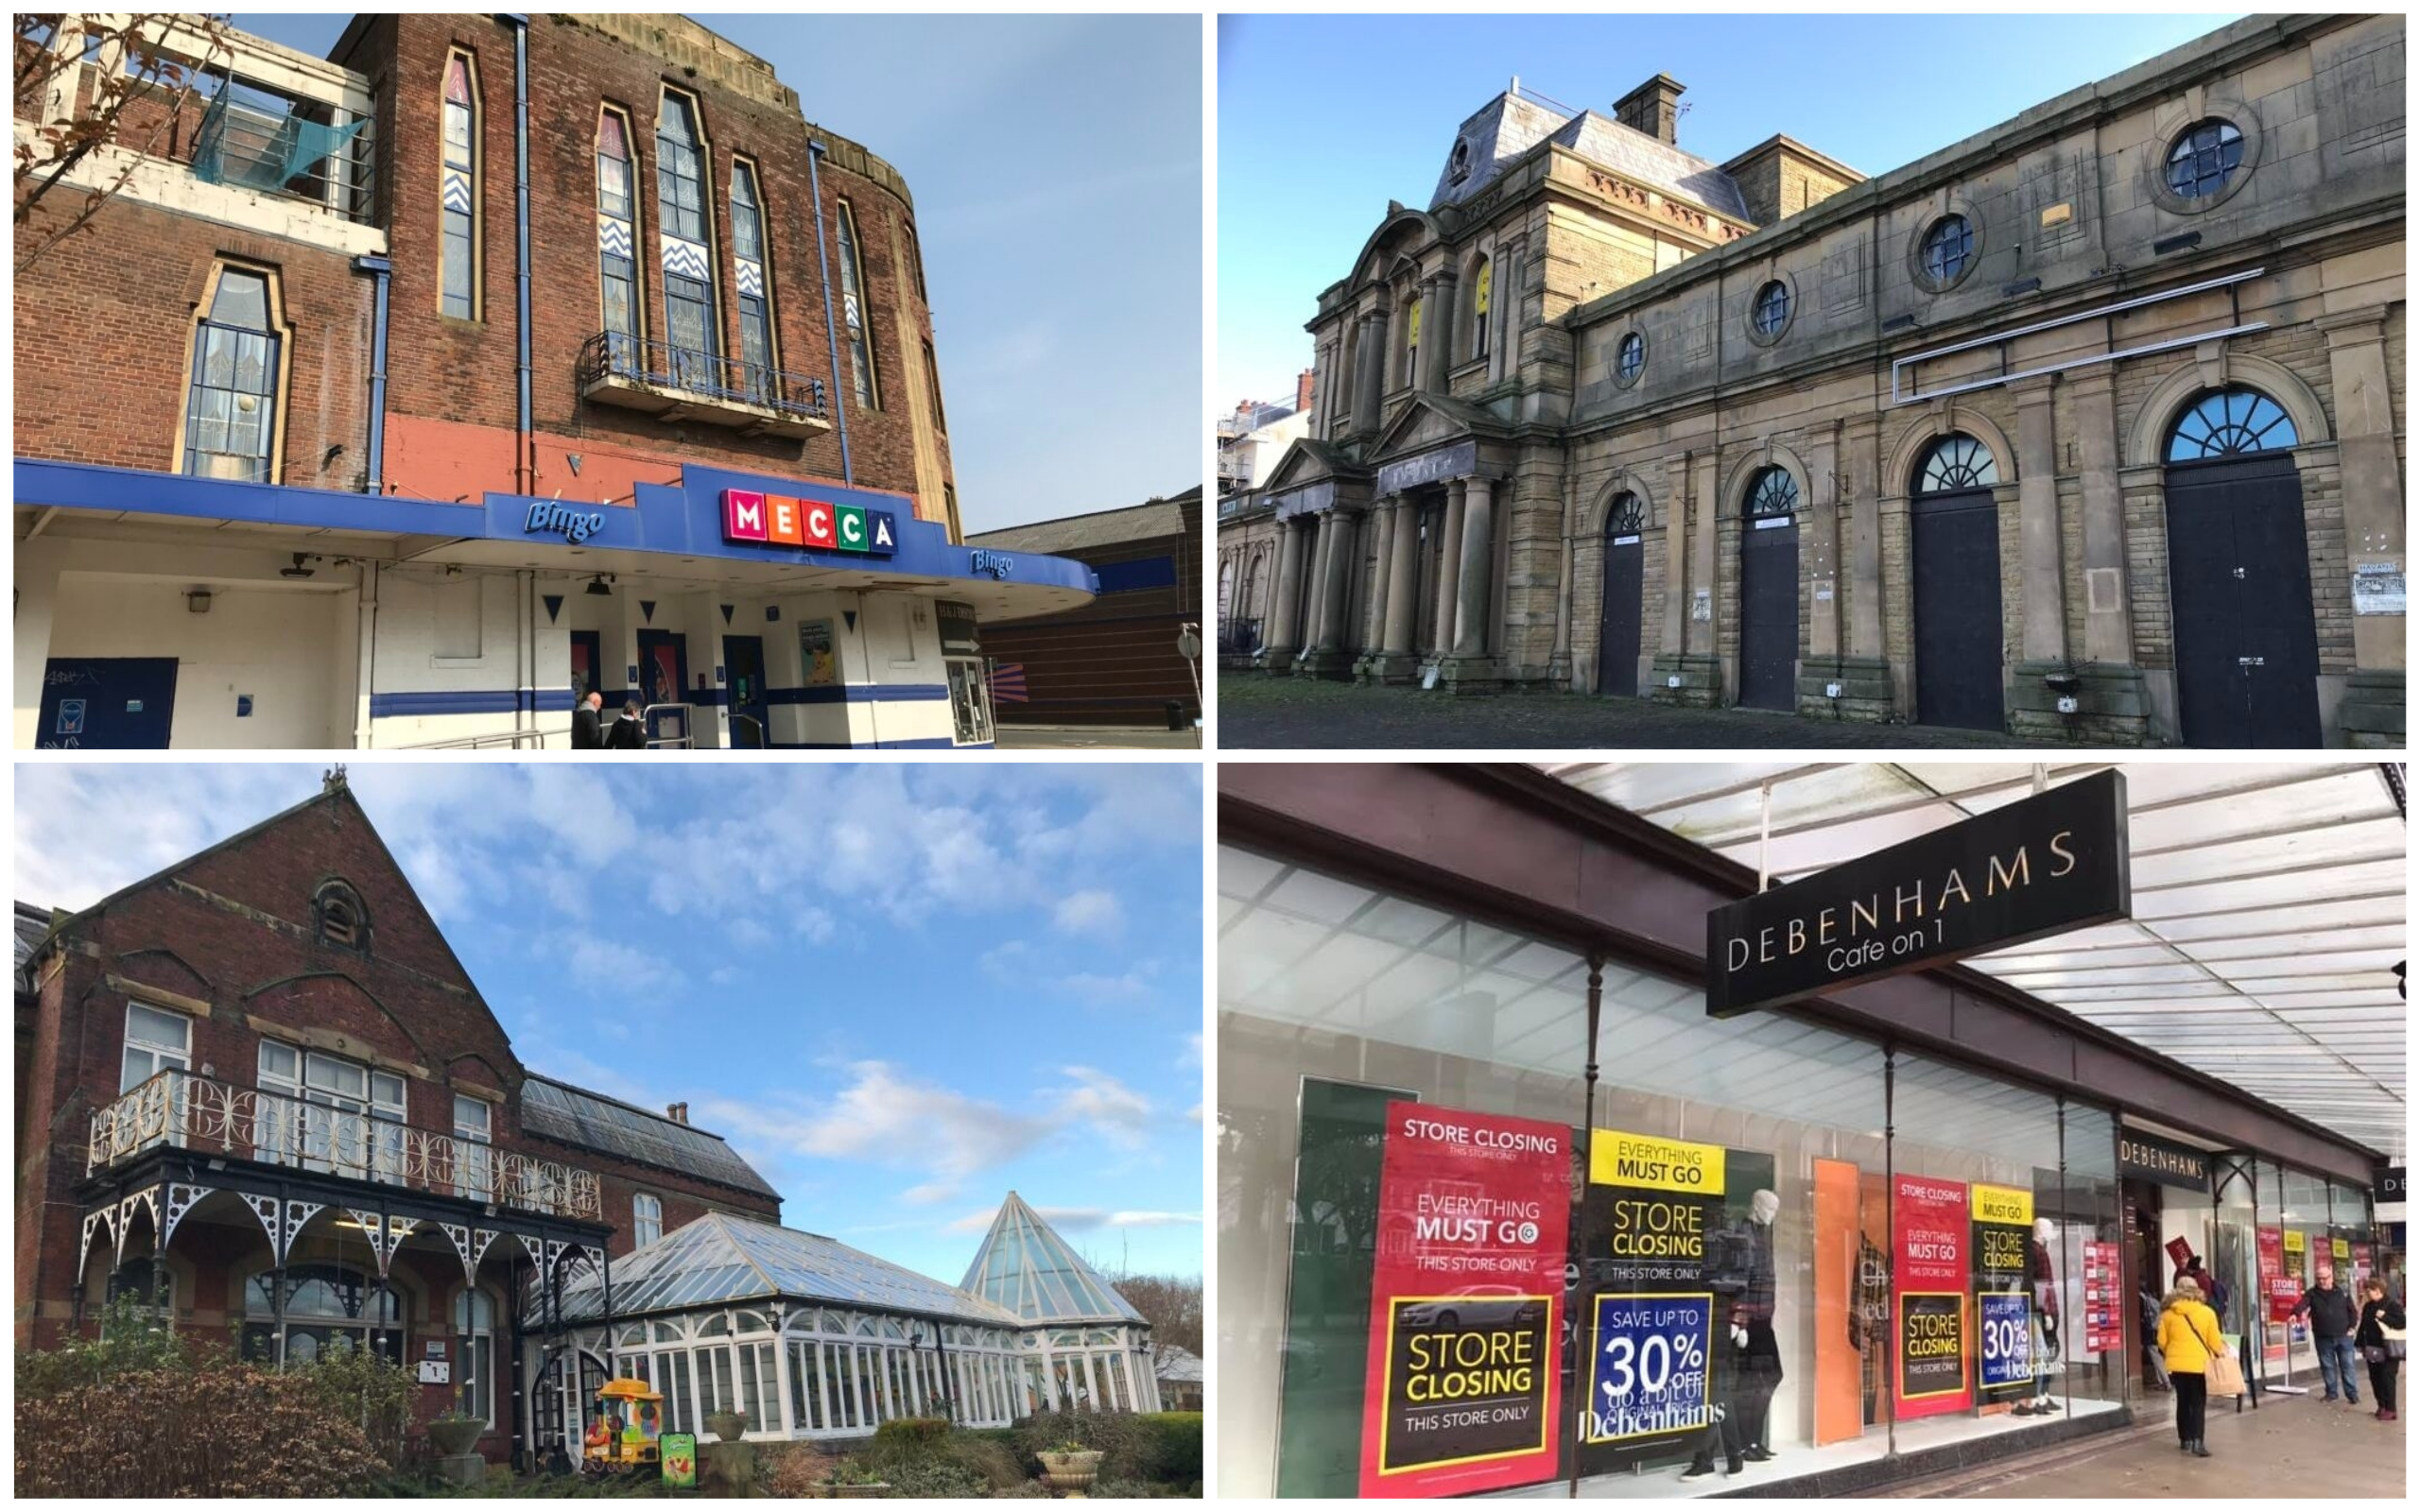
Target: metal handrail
(660,364)
(751,720)
(179,1109)
(686,740)
(514,738)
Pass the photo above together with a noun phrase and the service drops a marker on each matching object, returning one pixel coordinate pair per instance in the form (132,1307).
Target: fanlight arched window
(1957,462)
(2230,422)
(1771,491)
(340,915)
(1628,515)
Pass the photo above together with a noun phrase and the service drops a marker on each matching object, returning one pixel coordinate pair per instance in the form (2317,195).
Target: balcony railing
(259,139)
(185,1111)
(680,383)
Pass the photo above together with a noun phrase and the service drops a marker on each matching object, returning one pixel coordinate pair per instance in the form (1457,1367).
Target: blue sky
(900,990)
(1056,163)
(1310,153)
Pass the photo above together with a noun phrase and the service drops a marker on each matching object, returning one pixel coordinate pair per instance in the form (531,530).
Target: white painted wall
(290,650)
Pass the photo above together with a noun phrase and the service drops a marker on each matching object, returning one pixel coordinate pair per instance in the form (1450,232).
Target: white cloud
(1090,912)
(1077,1220)
(1107,1106)
(1101,991)
(748,934)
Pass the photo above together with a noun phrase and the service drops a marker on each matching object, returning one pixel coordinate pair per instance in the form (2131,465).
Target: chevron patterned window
(616,230)
(755,297)
(692,329)
(457,193)
(852,306)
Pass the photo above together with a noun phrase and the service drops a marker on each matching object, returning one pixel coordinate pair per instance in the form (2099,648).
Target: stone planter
(727,1426)
(1070,1473)
(455,1435)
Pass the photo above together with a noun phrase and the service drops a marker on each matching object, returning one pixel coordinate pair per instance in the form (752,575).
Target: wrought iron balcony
(178,1109)
(678,383)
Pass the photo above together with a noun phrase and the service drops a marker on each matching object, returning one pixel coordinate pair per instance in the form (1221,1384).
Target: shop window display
(1765,1285)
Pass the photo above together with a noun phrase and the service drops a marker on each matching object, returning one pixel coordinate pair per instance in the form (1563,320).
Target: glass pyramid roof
(720,1258)
(1025,1267)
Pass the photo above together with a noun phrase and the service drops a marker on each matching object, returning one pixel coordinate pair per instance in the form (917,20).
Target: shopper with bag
(2189,1343)
(2380,1337)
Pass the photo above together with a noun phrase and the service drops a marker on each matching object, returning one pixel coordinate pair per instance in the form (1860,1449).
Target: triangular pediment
(1307,461)
(1432,420)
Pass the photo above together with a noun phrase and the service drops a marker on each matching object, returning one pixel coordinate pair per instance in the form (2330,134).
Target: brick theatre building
(395,398)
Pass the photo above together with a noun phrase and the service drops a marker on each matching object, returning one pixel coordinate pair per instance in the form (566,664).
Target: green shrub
(900,1431)
(1106,1489)
(937,1478)
(229,1430)
(130,1340)
(1175,1453)
(1123,1442)
(926,1441)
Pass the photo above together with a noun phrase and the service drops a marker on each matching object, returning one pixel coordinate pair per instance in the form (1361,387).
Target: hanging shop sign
(2388,1187)
(2003,1225)
(2150,1158)
(1929,1221)
(811,525)
(1465,1302)
(2105,1327)
(553,517)
(2041,866)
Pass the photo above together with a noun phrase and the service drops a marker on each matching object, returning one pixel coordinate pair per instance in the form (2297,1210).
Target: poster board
(1931,1350)
(2002,1227)
(1466,1303)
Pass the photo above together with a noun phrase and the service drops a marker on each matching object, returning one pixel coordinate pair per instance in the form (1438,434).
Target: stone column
(1474,588)
(1279,644)
(1384,517)
(1823,564)
(2108,633)
(1328,656)
(1705,483)
(1676,559)
(1436,331)
(1314,585)
(1369,382)
(2038,503)
(1449,567)
(1403,589)
(2371,483)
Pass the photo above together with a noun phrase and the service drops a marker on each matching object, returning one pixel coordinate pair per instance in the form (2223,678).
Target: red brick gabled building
(258,1089)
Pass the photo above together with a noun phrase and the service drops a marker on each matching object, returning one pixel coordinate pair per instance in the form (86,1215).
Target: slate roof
(723,1259)
(1511,124)
(33,923)
(1104,527)
(574,1115)
(1027,1268)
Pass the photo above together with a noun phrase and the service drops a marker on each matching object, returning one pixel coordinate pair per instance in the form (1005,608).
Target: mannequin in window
(2044,1279)
(1747,1356)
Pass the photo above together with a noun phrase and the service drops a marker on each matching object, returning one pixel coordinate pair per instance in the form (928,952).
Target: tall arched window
(617,272)
(853,283)
(755,289)
(458,192)
(1411,341)
(1956,463)
(1483,289)
(238,375)
(689,320)
(1772,492)
(2230,422)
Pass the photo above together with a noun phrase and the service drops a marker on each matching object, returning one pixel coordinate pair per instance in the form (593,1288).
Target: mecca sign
(2042,866)
(813,524)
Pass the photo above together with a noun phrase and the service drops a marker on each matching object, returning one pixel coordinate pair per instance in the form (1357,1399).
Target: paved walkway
(1095,737)
(2299,1450)
(1260,712)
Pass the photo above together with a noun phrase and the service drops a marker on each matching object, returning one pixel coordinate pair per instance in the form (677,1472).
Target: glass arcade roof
(2267,903)
(720,1258)
(1025,1268)
(558,1111)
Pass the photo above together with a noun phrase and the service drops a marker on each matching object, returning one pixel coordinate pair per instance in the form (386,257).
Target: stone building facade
(2090,426)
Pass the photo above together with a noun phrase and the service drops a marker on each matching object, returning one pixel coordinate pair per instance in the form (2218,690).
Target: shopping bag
(2226,1376)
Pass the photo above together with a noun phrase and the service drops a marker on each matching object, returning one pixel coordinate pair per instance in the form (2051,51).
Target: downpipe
(379,269)
(524,461)
(831,332)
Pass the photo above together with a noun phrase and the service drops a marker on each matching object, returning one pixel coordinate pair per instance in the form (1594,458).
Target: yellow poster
(1619,1159)
(2343,1249)
(2008,1205)
(2295,1242)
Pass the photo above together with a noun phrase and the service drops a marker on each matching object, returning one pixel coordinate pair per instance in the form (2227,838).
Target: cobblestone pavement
(2293,1448)
(1261,712)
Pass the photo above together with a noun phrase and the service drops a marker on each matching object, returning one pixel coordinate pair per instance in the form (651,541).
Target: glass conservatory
(807,1338)
(1087,1348)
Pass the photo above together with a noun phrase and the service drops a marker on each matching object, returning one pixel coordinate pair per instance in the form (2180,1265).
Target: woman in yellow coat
(2189,1336)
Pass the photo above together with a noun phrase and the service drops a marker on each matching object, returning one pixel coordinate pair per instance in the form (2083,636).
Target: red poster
(1466,1303)
(2104,1323)
(2362,1271)
(1928,1296)
(2279,1287)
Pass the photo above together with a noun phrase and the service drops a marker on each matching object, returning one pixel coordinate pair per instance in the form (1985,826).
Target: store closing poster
(1928,1295)
(1466,1303)
(2005,1366)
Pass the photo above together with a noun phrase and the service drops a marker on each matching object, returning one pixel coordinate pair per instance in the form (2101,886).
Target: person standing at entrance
(586,733)
(629,732)
(2332,1318)
(2380,1338)
(2189,1336)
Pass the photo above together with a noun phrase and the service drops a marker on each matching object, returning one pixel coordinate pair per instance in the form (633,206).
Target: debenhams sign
(2050,863)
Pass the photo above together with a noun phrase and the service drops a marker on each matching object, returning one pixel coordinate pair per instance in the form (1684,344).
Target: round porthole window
(1948,250)
(1770,316)
(1629,358)
(2204,159)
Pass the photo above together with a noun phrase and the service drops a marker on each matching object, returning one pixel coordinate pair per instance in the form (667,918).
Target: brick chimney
(1653,107)
(678,1113)
(1303,392)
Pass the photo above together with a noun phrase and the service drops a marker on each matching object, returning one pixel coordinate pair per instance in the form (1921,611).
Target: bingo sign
(1466,1303)
(811,525)
(1651,1356)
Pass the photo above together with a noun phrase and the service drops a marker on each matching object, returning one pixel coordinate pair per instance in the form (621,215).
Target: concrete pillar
(2371,484)
(1436,332)
(2108,626)
(1369,382)
(1677,514)
(1336,586)
(1704,545)
(1280,643)
(38,565)
(1403,573)
(1862,572)
(1476,580)
(1383,517)
(1449,567)
(1315,579)
(2037,504)
(1823,561)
